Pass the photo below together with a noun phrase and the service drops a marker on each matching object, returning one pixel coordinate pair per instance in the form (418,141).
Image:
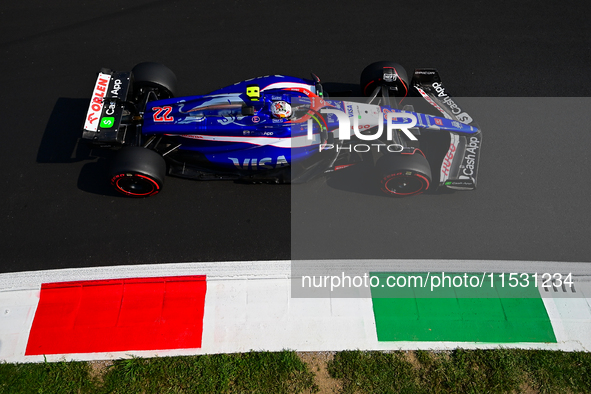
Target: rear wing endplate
(107,107)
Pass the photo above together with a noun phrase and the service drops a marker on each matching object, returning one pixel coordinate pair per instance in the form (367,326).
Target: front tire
(402,175)
(373,76)
(138,172)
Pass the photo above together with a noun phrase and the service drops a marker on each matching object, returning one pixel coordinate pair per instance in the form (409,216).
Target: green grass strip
(45,378)
(250,372)
(253,372)
(463,371)
(458,371)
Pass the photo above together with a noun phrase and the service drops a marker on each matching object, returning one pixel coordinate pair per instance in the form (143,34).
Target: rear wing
(107,107)
(428,84)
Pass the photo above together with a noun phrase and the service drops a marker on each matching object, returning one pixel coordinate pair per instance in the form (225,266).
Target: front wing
(459,169)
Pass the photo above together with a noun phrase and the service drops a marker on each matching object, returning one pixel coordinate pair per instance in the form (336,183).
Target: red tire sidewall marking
(115,182)
(404,174)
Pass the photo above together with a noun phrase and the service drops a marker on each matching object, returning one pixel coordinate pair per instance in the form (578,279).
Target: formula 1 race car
(282,129)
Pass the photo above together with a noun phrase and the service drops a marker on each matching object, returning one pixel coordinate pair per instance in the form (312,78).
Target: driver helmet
(281,109)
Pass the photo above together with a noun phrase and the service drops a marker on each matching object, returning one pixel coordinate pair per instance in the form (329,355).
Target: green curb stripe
(465,317)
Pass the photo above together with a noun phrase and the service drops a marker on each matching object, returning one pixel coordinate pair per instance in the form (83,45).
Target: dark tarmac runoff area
(520,69)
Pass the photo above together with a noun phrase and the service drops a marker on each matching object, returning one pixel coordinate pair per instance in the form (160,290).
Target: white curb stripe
(248,306)
(17,310)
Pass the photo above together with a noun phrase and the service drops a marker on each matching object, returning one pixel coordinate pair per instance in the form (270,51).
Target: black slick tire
(137,172)
(403,175)
(372,76)
(156,76)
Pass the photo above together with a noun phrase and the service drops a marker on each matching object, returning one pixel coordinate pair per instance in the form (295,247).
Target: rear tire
(156,76)
(404,175)
(138,172)
(372,76)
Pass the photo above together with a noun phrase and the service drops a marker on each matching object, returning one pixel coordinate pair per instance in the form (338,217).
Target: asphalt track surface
(57,209)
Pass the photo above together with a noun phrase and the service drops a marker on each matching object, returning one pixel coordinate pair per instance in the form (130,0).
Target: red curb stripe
(119,315)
